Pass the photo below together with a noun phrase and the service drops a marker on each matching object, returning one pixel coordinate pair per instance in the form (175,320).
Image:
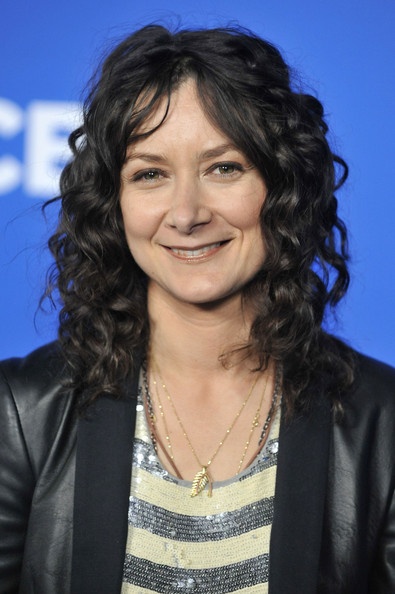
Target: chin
(209,300)
(196,294)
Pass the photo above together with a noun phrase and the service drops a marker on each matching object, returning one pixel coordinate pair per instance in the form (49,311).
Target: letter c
(11,123)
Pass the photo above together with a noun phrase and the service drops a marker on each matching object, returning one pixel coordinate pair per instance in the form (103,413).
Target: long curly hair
(246,90)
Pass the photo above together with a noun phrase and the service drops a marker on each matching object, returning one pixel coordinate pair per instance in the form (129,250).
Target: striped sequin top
(179,544)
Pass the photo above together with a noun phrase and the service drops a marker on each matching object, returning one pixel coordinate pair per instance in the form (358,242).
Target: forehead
(182,98)
(180,118)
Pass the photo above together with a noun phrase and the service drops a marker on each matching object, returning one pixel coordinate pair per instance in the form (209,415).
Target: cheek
(244,212)
(246,216)
(250,226)
(138,224)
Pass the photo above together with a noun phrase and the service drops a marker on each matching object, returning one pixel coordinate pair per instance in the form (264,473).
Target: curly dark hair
(245,89)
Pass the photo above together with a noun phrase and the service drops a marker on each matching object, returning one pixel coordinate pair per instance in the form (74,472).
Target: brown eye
(226,169)
(150,175)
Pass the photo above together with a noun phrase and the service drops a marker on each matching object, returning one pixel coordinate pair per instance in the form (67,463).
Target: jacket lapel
(102,487)
(299,501)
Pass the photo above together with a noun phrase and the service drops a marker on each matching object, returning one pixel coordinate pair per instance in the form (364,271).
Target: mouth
(199,252)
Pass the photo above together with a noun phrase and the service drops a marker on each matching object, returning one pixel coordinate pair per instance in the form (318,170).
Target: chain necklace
(203,476)
(255,424)
(264,433)
(150,416)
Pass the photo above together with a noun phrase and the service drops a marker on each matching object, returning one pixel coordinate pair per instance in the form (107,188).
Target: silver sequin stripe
(184,528)
(218,580)
(144,457)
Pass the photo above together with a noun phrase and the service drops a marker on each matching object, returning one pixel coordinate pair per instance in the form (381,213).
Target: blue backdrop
(344,50)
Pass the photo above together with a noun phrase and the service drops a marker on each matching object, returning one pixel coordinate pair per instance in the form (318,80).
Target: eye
(227,169)
(148,175)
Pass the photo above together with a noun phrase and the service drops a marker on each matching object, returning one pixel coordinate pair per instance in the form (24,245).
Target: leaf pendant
(201,479)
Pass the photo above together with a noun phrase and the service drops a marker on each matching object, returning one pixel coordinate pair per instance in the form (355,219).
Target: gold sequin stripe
(198,555)
(171,496)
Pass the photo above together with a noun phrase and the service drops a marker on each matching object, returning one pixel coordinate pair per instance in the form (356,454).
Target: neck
(195,336)
(201,399)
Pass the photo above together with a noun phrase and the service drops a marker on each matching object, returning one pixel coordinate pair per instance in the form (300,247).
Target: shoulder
(36,371)
(35,382)
(369,407)
(374,381)
(36,378)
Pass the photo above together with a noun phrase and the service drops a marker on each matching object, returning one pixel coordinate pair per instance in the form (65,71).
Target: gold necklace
(255,424)
(162,414)
(151,418)
(202,477)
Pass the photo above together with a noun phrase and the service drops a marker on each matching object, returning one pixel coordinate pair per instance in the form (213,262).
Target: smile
(196,253)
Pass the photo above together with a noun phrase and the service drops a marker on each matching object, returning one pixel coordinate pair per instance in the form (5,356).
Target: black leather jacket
(65,487)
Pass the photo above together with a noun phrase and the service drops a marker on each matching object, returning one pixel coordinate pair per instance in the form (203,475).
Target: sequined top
(202,545)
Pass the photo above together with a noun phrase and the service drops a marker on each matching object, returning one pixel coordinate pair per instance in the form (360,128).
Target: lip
(196,253)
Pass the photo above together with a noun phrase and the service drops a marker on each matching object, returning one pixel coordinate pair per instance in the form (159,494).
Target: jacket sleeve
(16,489)
(383,574)
(383,484)
(378,419)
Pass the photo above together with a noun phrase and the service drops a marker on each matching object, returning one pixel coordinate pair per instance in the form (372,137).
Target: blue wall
(345,51)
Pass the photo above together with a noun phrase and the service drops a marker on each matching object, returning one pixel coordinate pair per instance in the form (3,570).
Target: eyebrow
(145,157)
(209,154)
(218,151)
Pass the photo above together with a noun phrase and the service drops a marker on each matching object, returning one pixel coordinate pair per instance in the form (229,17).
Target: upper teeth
(194,253)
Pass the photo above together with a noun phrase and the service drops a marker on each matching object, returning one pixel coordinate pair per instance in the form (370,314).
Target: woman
(195,428)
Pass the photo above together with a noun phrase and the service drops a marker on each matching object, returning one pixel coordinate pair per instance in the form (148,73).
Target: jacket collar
(301,482)
(101,496)
(102,488)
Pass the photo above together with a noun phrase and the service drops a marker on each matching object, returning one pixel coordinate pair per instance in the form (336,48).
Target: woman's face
(190,202)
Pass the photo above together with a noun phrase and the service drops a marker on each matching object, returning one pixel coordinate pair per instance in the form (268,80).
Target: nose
(189,208)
